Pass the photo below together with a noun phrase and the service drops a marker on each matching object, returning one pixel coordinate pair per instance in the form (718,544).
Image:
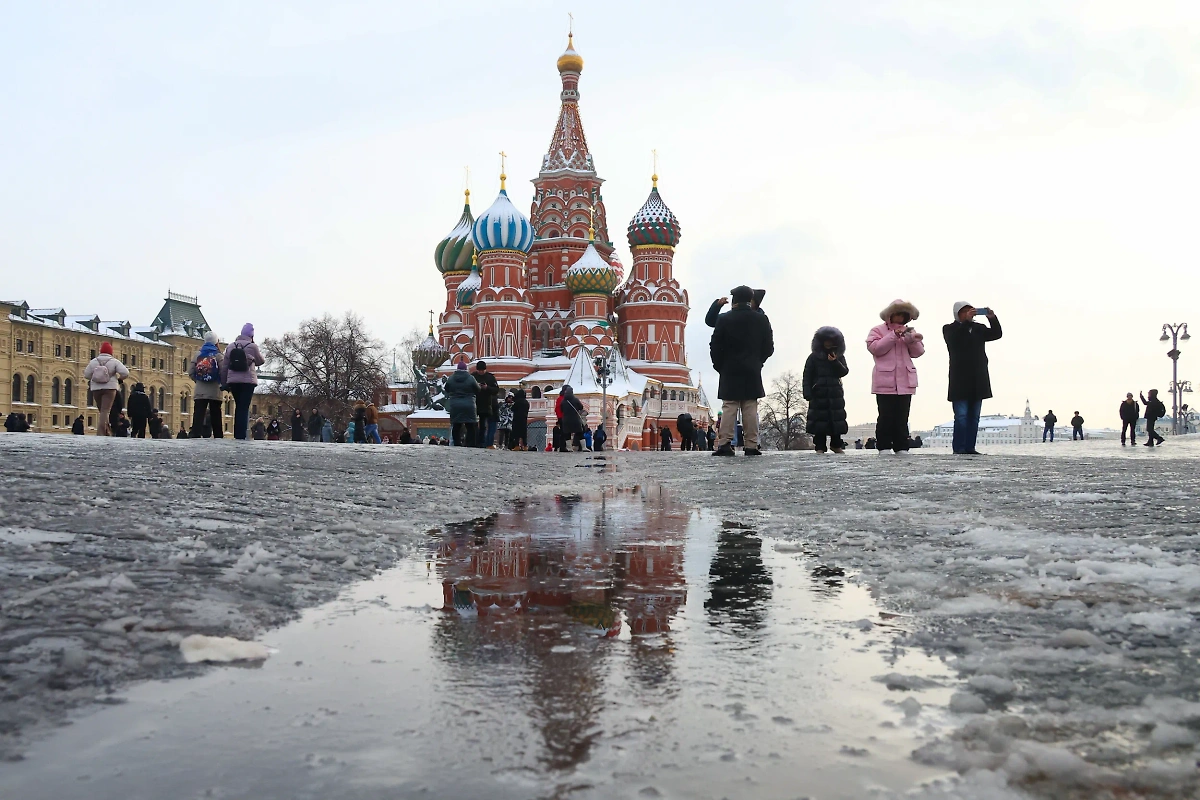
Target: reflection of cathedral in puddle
(525,600)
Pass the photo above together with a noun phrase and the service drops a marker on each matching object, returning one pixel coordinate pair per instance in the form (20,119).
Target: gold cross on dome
(503,156)
(654,176)
(571,24)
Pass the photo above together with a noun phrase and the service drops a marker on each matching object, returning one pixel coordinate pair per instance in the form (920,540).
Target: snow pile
(223,649)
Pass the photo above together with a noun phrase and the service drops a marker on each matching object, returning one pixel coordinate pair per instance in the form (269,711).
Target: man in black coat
(520,423)
(687,431)
(486,404)
(139,410)
(1049,421)
(1131,412)
(970,383)
(741,343)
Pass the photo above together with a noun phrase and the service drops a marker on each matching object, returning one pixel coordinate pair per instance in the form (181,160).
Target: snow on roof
(395,408)
(546,375)
(429,413)
(992,422)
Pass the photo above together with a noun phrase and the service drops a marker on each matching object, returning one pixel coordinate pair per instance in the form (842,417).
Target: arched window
(229,408)
(31,389)
(536,394)
(91,401)
(672,394)
(68,392)
(183,403)
(550,276)
(55,391)
(16,392)
(162,398)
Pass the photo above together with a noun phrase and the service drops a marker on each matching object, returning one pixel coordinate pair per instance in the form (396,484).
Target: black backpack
(237,359)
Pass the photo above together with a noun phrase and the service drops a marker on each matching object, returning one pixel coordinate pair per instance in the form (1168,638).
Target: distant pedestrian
(506,423)
(487,402)
(327,432)
(1155,410)
(462,392)
(274,430)
(665,437)
(183,434)
(894,345)
(77,426)
(520,411)
(360,423)
(587,438)
(970,382)
(122,427)
(558,441)
(741,343)
(687,431)
(711,436)
(155,424)
(371,417)
(1048,422)
(239,375)
(599,438)
(573,416)
(298,426)
(316,423)
(205,371)
(10,422)
(1130,413)
(1076,427)
(139,409)
(405,435)
(259,431)
(823,373)
(103,374)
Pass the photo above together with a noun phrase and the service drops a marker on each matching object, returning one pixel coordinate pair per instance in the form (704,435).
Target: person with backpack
(239,376)
(1155,410)
(1130,412)
(103,374)
(205,371)
(139,409)
(1076,427)
(573,416)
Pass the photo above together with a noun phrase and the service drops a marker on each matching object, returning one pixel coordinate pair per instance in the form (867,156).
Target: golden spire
(431,323)
(654,177)
(503,177)
(592,224)
(467,186)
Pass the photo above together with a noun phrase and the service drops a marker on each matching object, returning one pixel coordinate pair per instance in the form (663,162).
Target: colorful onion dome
(591,274)
(654,223)
(453,254)
(470,285)
(570,60)
(617,266)
(502,227)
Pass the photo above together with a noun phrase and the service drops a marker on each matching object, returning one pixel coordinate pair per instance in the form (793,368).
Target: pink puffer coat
(894,371)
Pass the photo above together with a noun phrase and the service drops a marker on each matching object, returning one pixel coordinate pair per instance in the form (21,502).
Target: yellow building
(43,352)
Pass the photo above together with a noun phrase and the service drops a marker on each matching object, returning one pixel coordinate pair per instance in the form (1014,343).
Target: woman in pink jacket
(894,381)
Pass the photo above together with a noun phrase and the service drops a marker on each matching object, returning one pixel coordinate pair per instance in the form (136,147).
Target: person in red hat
(103,374)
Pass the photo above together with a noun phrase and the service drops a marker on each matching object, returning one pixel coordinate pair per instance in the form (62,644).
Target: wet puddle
(608,647)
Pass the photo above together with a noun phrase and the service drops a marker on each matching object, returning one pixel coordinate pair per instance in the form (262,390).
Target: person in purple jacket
(239,376)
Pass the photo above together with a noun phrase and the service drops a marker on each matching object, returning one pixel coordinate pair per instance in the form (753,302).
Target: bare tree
(784,413)
(330,362)
(405,368)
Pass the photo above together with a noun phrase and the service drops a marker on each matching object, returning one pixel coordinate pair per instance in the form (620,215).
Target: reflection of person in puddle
(739,581)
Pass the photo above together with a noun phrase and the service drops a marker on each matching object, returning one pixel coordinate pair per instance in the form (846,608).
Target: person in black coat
(823,373)
(970,383)
(1049,421)
(520,421)
(1130,412)
(1076,427)
(155,424)
(665,436)
(573,417)
(139,410)
(687,431)
(77,426)
(298,426)
(741,343)
(486,404)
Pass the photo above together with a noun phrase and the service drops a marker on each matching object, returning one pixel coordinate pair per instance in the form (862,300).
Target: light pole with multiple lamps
(1175,334)
(601,359)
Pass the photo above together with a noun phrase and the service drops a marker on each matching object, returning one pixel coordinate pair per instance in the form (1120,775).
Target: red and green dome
(453,254)
(654,223)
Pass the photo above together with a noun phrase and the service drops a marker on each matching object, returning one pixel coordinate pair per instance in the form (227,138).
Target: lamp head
(1185,336)
(1164,337)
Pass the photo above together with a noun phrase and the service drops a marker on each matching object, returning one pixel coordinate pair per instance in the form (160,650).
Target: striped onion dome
(654,223)
(591,274)
(502,227)
(470,285)
(453,254)
(617,266)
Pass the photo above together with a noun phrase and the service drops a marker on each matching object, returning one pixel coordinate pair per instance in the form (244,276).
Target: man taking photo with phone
(970,382)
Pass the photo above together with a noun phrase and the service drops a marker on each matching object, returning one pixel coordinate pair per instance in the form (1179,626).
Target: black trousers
(210,409)
(835,442)
(687,440)
(139,428)
(891,429)
(1132,428)
(1076,433)
(1151,434)
(464,434)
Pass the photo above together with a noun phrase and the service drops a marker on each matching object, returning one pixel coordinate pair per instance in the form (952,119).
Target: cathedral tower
(453,257)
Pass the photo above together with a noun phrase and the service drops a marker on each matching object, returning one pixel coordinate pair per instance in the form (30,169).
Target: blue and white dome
(502,227)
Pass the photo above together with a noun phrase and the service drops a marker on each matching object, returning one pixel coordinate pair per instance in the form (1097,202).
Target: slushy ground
(1016,625)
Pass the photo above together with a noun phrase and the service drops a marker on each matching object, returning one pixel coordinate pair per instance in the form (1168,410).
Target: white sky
(282,160)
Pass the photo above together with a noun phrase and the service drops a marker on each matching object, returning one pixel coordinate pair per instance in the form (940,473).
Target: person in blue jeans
(970,382)
(1050,421)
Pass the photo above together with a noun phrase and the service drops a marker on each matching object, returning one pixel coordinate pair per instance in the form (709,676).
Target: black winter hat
(742,294)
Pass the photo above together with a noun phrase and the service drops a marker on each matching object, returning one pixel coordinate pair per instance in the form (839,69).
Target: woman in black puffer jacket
(823,373)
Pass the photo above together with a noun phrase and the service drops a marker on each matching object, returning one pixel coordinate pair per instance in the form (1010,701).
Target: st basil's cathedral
(540,297)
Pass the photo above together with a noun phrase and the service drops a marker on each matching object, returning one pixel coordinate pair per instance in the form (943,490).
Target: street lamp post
(601,359)
(1174,334)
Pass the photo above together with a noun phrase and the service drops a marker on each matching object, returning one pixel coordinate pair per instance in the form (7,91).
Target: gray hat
(959,306)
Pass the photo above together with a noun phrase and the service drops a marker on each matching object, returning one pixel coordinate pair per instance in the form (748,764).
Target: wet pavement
(622,645)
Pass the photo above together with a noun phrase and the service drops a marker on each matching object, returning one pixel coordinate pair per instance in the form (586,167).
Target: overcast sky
(281,160)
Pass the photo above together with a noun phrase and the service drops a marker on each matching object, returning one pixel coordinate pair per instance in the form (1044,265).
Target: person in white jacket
(103,374)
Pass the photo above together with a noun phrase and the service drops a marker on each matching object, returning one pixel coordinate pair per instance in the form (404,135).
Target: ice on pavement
(221,649)
(1062,586)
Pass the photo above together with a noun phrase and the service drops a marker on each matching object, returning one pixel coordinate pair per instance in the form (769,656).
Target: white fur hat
(899,307)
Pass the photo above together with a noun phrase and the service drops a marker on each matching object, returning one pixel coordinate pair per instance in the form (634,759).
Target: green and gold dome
(453,254)
(592,274)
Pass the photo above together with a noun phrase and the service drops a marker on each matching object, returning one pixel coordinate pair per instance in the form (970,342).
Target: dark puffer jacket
(461,390)
(520,424)
(823,385)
